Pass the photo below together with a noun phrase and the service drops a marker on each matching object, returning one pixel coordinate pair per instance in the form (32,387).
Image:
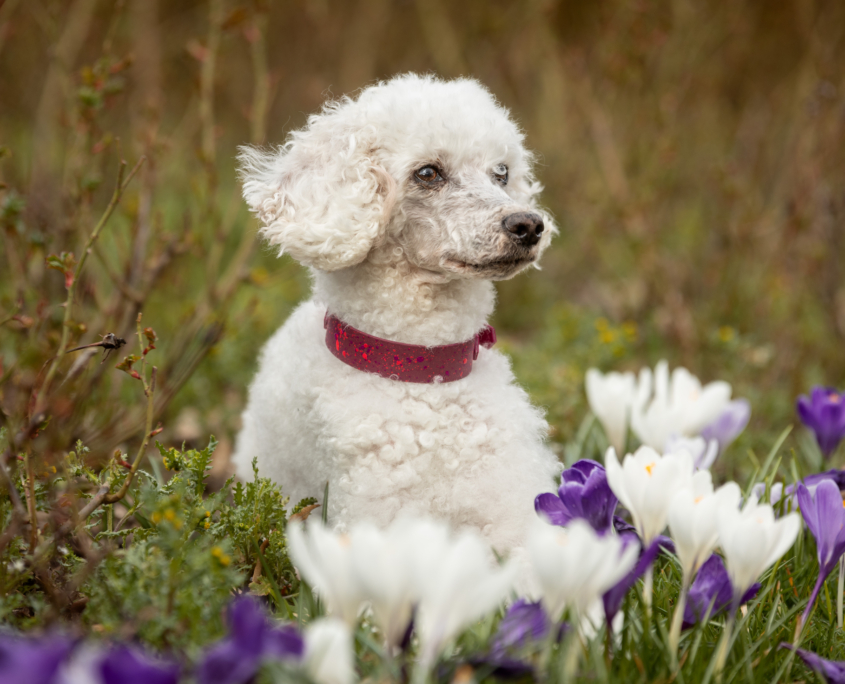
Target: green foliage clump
(177,553)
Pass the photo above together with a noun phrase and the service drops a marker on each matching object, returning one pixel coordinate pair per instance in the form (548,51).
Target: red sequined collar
(405,362)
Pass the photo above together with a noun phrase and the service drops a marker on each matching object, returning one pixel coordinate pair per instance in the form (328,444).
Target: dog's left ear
(322,198)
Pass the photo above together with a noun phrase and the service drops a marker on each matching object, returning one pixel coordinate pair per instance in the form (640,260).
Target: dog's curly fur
(409,259)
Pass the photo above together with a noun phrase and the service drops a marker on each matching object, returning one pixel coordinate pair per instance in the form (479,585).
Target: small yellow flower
(206,524)
(726,333)
(222,557)
(607,336)
(208,514)
(170,515)
(629,329)
(156,517)
(602,324)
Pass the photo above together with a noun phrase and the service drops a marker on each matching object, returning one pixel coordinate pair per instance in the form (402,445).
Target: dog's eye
(429,175)
(500,173)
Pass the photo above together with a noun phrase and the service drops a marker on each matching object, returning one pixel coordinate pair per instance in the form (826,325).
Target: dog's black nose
(525,227)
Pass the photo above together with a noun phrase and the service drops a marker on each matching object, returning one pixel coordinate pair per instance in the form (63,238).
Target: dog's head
(433,168)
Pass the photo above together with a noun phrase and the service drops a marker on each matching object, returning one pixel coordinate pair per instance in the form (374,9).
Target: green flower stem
(840,590)
(722,652)
(648,589)
(677,621)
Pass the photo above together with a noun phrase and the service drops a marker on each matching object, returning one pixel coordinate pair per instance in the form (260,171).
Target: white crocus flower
(574,566)
(328,652)
(645,484)
(610,397)
(675,405)
(752,539)
(703,453)
(324,560)
(384,562)
(458,583)
(693,525)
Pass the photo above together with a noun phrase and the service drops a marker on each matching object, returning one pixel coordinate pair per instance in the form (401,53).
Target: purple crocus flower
(824,514)
(711,592)
(252,639)
(525,621)
(34,661)
(835,476)
(613,598)
(824,413)
(583,493)
(125,665)
(832,670)
(730,423)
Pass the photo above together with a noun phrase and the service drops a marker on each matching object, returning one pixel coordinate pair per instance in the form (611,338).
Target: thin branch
(18,510)
(148,428)
(30,502)
(118,193)
(90,507)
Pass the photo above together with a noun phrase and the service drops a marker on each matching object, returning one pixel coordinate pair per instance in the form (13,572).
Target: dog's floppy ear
(322,197)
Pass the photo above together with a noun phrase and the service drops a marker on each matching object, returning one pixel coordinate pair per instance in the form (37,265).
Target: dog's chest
(445,426)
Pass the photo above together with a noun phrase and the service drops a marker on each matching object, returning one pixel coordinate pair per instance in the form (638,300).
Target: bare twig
(30,502)
(118,193)
(92,505)
(148,428)
(18,510)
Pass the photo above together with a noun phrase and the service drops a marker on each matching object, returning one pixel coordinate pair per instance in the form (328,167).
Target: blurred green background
(692,153)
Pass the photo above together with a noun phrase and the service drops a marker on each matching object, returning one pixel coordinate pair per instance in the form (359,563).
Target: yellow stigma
(650,467)
(698,499)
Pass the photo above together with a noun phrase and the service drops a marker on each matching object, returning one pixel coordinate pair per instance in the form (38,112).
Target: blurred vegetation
(692,153)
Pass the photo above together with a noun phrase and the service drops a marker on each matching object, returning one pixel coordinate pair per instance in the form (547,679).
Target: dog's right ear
(322,197)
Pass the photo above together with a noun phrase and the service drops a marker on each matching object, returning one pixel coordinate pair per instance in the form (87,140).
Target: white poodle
(405,202)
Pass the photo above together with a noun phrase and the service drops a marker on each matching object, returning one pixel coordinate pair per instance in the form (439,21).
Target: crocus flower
(693,526)
(457,585)
(824,514)
(824,413)
(775,492)
(524,624)
(34,661)
(329,658)
(703,453)
(252,640)
(610,397)
(693,519)
(525,621)
(752,539)
(613,597)
(324,559)
(833,671)
(728,426)
(126,665)
(383,561)
(645,483)
(711,592)
(583,493)
(678,405)
(575,566)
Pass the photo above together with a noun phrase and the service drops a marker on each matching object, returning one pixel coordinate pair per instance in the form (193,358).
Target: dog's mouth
(502,266)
